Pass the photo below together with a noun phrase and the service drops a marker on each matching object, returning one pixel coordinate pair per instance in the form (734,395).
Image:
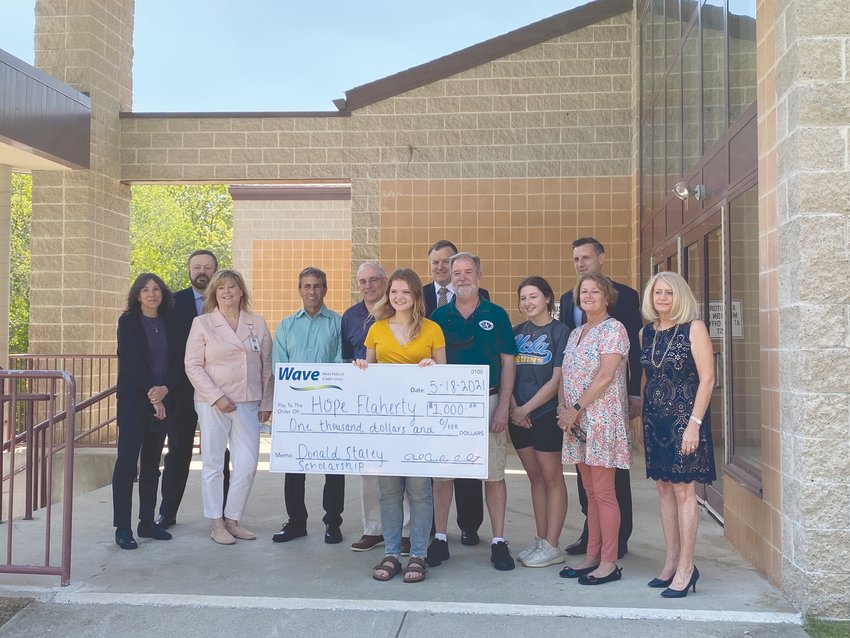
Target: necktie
(199,306)
(442,298)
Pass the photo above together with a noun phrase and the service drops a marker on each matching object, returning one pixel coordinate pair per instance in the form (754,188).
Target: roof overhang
(44,124)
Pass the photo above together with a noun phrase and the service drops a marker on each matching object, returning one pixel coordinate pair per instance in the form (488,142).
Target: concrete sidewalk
(259,588)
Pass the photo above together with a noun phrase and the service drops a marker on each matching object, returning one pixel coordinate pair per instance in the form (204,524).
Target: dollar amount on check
(392,420)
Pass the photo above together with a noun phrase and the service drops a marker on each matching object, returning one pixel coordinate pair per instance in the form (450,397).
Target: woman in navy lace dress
(676,355)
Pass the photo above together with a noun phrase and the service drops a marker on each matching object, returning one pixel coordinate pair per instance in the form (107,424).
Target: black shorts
(544,435)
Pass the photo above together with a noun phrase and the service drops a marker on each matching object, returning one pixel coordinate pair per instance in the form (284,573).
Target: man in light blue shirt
(311,335)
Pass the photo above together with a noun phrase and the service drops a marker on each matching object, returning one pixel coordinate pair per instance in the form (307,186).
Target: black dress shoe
(152,530)
(333,534)
(124,539)
(681,593)
(289,532)
(469,537)
(617,574)
(658,583)
(579,547)
(572,572)
(165,521)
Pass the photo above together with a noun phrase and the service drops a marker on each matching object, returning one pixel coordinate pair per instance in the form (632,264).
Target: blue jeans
(392,512)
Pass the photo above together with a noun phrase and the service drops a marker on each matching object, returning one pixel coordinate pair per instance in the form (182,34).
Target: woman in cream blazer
(228,360)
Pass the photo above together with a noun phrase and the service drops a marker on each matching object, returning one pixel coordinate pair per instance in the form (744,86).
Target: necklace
(666,352)
(154,323)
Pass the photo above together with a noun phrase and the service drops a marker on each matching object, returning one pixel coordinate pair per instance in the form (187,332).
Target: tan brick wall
(518,226)
(274,240)
(277,263)
(561,109)
(80,219)
(805,166)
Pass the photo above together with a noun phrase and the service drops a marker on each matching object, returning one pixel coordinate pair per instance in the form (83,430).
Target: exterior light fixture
(683,191)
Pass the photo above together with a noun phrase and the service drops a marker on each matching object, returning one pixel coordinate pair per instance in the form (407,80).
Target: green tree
(19,264)
(167,223)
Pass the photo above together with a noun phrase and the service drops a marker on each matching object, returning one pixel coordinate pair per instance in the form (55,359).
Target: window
(713,72)
(745,341)
(742,56)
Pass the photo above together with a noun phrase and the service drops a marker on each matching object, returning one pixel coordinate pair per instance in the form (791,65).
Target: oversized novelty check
(392,420)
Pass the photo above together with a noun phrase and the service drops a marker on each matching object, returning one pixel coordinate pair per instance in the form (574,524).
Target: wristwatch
(577,406)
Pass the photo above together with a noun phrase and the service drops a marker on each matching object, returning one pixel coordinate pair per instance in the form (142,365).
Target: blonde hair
(384,310)
(211,303)
(684,308)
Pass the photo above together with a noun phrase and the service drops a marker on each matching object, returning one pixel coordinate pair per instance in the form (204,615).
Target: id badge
(255,344)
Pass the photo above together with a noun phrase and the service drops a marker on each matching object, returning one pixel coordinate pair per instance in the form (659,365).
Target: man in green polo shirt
(478,332)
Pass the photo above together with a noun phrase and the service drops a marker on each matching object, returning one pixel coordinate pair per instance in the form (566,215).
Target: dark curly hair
(134,307)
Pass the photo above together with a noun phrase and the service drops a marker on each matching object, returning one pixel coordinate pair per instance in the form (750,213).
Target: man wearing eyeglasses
(356,321)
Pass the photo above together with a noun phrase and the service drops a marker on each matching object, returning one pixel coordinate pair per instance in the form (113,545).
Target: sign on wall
(392,420)
(717,320)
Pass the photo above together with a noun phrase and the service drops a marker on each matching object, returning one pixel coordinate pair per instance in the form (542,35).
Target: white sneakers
(528,551)
(544,555)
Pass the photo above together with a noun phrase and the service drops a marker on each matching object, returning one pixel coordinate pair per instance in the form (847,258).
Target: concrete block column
(80,220)
(812,89)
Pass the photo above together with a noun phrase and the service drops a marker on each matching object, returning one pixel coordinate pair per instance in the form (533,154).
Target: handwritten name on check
(391,420)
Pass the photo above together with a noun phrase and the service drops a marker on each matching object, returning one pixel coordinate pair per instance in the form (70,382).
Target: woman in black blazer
(146,371)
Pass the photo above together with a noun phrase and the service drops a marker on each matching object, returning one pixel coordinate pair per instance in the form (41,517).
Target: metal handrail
(40,448)
(60,416)
(95,375)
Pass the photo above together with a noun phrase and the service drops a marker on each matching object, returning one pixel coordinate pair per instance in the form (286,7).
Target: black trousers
(175,472)
(623,491)
(333,498)
(139,447)
(469,503)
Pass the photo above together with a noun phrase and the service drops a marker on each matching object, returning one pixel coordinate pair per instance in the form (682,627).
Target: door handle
(717,370)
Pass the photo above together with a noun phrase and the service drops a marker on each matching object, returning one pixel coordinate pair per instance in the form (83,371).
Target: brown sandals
(386,569)
(415,570)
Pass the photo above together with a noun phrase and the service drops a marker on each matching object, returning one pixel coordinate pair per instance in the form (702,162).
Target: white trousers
(240,431)
(370,499)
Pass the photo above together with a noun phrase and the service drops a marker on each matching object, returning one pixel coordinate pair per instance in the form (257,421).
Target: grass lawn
(9,606)
(818,628)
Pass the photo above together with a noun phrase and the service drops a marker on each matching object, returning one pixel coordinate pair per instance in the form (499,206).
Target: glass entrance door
(704,267)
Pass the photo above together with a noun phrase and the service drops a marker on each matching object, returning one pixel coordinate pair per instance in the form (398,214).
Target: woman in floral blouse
(593,413)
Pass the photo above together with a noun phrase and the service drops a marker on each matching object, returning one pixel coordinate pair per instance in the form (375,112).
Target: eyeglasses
(371,281)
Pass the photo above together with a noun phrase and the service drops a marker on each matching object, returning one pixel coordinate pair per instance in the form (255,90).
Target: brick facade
(806,168)
(80,220)
(511,158)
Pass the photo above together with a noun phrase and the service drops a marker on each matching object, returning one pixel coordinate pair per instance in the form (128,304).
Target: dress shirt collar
(323,312)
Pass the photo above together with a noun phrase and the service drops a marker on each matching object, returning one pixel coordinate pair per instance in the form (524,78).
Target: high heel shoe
(659,583)
(681,593)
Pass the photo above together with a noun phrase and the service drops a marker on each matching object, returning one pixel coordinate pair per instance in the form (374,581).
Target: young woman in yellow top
(402,334)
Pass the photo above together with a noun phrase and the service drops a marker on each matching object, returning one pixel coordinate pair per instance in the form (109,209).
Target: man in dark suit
(468,500)
(588,257)
(188,304)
